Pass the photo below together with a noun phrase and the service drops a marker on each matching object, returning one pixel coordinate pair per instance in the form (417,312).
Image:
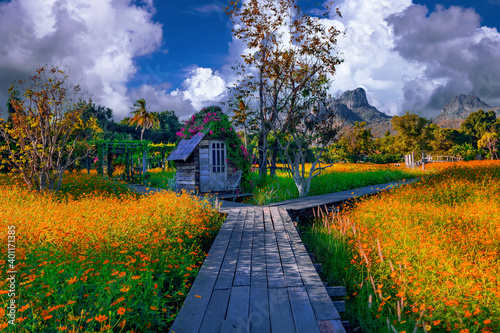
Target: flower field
(98,258)
(425,257)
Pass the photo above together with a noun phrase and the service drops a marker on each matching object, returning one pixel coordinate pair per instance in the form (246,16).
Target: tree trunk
(274,158)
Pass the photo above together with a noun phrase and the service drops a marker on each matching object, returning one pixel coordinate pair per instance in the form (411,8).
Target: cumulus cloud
(459,56)
(97,39)
(367,49)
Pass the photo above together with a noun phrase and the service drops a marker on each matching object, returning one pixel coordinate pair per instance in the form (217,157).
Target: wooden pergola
(106,149)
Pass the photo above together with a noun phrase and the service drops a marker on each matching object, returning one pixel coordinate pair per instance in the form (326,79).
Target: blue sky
(408,55)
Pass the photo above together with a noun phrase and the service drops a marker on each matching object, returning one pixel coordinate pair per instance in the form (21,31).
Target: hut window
(218,164)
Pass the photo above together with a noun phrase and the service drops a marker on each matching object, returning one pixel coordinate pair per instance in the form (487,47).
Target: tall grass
(99,258)
(420,258)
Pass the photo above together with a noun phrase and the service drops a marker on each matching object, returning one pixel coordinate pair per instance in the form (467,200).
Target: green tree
(477,124)
(414,133)
(46,129)
(357,140)
(489,141)
(102,114)
(444,139)
(142,117)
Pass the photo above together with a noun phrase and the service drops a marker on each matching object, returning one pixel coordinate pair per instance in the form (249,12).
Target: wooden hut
(202,164)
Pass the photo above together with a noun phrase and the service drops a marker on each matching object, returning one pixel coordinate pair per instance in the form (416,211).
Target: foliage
(356,140)
(422,257)
(489,141)
(84,271)
(102,114)
(335,153)
(292,52)
(445,138)
(385,158)
(46,129)
(414,133)
(216,124)
(142,117)
(466,151)
(478,123)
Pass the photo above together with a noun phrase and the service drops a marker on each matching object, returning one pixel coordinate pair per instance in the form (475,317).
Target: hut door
(217,166)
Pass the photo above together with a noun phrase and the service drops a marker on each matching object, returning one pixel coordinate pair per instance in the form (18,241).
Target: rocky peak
(462,106)
(354,98)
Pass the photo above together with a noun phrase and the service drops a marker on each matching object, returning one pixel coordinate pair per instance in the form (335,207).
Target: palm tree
(141,116)
(240,117)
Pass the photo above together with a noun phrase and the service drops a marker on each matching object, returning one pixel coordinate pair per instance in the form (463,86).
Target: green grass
(333,180)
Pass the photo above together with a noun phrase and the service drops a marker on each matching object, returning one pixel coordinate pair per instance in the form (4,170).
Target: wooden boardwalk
(335,198)
(258,277)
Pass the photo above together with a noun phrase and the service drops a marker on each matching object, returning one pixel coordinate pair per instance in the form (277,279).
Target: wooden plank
(191,314)
(290,268)
(258,316)
(243,268)
(237,312)
(303,314)
(280,311)
(259,270)
(226,275)
(331,326)
(216,311)
(268,222)
(275,277)
(321,303)
(339,305)
(336,291)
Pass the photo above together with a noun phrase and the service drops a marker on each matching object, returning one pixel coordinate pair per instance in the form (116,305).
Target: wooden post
(144,153)
(110,167)
(423,160)
(163,158)
(88,164)
(127,166)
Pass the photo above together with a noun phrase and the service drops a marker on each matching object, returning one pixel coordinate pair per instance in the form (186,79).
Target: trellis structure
(106,149)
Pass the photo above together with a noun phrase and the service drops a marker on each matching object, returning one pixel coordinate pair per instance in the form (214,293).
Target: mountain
(353,106)
(455,112)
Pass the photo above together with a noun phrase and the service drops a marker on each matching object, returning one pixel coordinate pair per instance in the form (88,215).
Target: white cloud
(204,86)
(458,54)
(97,39)
(367,49)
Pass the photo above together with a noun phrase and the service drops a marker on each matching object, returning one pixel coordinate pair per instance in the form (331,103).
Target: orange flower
(487,321)
(47,317)
(62,328)
(125,289)
(121,311)
(101,318)
(24,308)
(136,277)
(72,280)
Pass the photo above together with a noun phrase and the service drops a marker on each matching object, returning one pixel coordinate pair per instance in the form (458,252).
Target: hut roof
(185,148)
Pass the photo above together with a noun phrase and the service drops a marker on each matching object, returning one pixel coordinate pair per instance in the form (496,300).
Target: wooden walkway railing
(258,277)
